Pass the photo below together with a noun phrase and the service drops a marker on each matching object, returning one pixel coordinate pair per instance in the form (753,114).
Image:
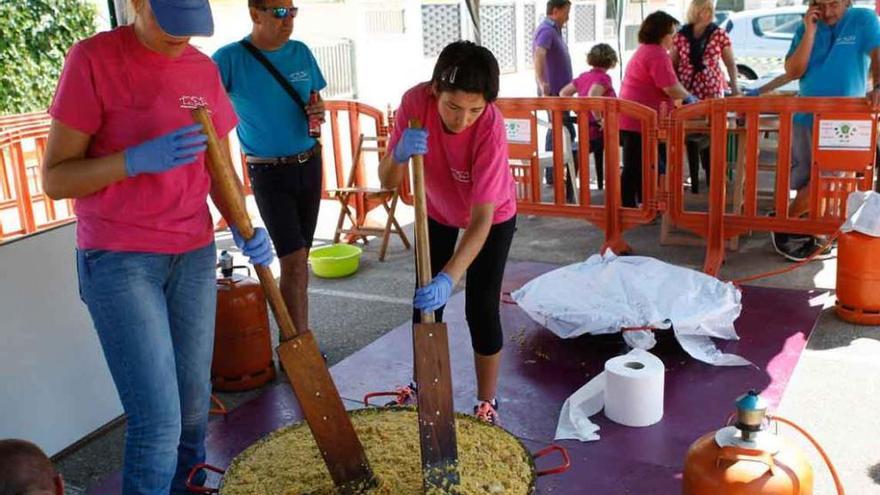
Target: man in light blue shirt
(829,54)
(284,160)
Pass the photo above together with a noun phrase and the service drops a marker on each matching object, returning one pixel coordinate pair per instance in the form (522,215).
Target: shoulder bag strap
(277,75)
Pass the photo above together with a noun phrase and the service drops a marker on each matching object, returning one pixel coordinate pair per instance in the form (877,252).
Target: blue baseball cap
(184,17)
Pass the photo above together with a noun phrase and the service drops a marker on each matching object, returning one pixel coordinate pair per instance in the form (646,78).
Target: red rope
(819,250)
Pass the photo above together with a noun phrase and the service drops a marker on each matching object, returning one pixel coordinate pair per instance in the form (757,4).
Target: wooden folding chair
(352,194)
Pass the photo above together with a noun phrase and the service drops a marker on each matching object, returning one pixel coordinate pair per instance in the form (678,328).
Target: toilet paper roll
(634,389)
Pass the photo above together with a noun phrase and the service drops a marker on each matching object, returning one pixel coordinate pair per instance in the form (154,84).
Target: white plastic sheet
(863,213)
(606,293)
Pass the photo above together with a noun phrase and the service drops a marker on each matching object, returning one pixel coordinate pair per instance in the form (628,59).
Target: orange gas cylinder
(242,343)
(858,278)
(746,459)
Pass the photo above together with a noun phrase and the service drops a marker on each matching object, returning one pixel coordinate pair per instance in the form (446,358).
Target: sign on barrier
(845,135)
(519,131)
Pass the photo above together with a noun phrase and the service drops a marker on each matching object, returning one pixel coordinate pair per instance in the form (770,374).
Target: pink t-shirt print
(587,80)
(122,94)
(464,169)
(647,73)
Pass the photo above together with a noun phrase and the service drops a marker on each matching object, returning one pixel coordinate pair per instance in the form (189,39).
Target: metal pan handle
(198,488)
(566,461)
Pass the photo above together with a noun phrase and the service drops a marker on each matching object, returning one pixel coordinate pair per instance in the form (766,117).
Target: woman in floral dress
(698,47)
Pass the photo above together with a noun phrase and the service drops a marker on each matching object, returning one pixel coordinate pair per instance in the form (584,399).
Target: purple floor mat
(539,371)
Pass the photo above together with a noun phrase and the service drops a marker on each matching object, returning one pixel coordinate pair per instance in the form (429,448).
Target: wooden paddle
(431,361)
(298,351)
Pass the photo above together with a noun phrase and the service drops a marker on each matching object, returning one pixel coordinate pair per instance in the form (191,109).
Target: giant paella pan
(287,461)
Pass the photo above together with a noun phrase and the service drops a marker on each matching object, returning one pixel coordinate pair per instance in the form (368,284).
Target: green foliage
(34,38)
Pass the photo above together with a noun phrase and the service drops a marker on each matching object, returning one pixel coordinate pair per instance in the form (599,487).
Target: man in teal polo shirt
(829,55)
(284,161)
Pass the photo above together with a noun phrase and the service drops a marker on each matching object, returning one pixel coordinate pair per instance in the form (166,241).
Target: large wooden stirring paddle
(298,351)
(431,361)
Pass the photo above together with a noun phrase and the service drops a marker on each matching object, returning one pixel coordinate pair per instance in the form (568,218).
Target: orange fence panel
(522,121)
(844,140)
(23,119)
(842,163)
(20,181)
(23,182)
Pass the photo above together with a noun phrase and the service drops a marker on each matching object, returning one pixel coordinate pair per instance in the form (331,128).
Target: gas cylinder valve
(751,411)
(225,264)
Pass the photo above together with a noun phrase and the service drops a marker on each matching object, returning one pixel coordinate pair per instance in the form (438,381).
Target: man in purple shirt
(552,62)
(553,66)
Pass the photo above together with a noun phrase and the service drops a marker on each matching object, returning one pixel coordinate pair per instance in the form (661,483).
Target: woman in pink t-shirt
(123,144)
(468,186)
(651,81)
(594,83)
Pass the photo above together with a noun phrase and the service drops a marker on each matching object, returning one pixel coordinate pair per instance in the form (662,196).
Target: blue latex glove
(179,147)
(751,92)
(258,248)
(412,142)
(435,294)
(690,99)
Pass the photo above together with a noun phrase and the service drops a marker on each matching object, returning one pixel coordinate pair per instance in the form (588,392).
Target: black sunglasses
(281,12)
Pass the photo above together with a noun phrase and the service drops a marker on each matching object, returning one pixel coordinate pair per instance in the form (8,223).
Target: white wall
(389,64)
(54,384)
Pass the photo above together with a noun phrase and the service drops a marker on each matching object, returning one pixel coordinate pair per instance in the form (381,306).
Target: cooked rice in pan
(287,462)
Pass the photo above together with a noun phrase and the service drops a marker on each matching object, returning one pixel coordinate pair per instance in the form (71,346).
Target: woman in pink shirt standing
(123,144)
(651,81)
(468,186)
(593,83)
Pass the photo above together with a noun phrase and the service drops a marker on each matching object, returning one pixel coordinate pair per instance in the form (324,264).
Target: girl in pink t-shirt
(593,83)
(123,144)
(468,186)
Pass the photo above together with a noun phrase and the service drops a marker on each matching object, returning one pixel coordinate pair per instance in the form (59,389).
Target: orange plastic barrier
(839,168)
(841,165)
(21,181)
(23,119)
(521,117)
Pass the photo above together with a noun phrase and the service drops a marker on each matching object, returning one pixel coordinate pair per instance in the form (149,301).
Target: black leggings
(483,283)
(631,178)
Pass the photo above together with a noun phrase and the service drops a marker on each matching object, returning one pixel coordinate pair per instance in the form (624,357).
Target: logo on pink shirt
(191,102)
(461,175)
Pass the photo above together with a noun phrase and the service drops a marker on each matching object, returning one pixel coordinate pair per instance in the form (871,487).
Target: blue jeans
(154,315)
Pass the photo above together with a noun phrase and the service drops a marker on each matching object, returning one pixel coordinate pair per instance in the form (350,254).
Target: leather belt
(297,159)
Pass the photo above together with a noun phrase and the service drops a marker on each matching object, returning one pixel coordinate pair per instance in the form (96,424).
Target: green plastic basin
(338,260)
